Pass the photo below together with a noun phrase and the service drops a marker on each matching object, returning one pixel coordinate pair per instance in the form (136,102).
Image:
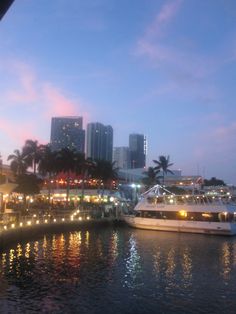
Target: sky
(162,68)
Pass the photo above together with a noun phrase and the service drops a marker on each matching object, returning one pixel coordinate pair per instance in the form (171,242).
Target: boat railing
(187,200)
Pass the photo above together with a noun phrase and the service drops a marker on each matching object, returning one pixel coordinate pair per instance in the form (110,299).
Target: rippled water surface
(119,270)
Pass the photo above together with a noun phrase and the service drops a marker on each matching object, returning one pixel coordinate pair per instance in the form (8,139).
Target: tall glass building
(137,148)
(121,155)
(99,141)
(67,132)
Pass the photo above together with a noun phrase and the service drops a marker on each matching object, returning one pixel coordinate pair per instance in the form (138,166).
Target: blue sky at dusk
(166,69)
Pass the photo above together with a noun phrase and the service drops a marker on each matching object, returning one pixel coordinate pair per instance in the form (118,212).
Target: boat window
(221,217)
(233,200)
(204,200)
(216,200)
(190,216)
(225,216)
(182,214)
(234,216)
(180,200)
(170,200)
(159,199)
(190,200)
(151,200)
(229,200)
(148,214)
(207,216)
(200,200)
(230,217)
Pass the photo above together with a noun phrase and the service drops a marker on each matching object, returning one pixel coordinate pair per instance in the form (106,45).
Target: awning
(7,188)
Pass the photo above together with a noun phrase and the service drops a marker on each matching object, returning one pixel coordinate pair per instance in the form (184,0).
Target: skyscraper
(99,141)
(67,132)
(121,156)
(137,147)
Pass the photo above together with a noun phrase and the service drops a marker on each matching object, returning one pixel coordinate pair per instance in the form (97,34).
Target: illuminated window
(183,214)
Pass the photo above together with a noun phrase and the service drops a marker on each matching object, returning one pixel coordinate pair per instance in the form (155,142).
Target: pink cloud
(186,72)
(166,14)
(14,133)
(57,104)
(225,133)
(156,52)
(44,98)
(181,64)
(26,89)
(30,103)
(162,54)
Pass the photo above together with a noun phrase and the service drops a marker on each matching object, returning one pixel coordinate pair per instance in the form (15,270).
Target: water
(119,270)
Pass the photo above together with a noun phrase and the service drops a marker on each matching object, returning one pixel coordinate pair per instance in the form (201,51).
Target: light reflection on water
(133,265)
(119,271)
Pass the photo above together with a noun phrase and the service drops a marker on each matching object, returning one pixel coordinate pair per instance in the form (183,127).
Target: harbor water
(119,270)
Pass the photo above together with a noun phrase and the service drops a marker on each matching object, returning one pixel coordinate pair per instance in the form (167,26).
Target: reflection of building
(137,147)
(122,157)
(99,141)
(67,132)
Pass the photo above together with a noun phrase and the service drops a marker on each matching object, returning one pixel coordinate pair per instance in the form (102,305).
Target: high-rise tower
(99,141)
(137,147)
(121,155)
(67,132)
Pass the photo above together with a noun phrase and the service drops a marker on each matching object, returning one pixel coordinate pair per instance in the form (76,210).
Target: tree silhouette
(163,163)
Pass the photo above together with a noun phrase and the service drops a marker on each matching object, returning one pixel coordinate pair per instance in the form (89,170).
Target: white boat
(159,209)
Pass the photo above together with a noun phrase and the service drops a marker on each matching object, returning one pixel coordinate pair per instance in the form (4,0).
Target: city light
(183,213)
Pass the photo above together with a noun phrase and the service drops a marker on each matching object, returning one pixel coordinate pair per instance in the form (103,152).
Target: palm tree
(83,167)
(150,178)
(19,163)
(66,159)
(27,184)
(48,165)
(31,150)
(163,164)
(105,171)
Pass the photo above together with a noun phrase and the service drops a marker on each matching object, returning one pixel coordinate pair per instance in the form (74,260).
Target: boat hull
(218,228)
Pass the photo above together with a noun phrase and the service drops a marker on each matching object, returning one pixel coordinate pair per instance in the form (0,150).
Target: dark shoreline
(30,233)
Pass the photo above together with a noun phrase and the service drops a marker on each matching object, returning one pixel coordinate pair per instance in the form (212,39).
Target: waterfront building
(137,147)
(99,141)
(176,178)
(121,156)
(67,132)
